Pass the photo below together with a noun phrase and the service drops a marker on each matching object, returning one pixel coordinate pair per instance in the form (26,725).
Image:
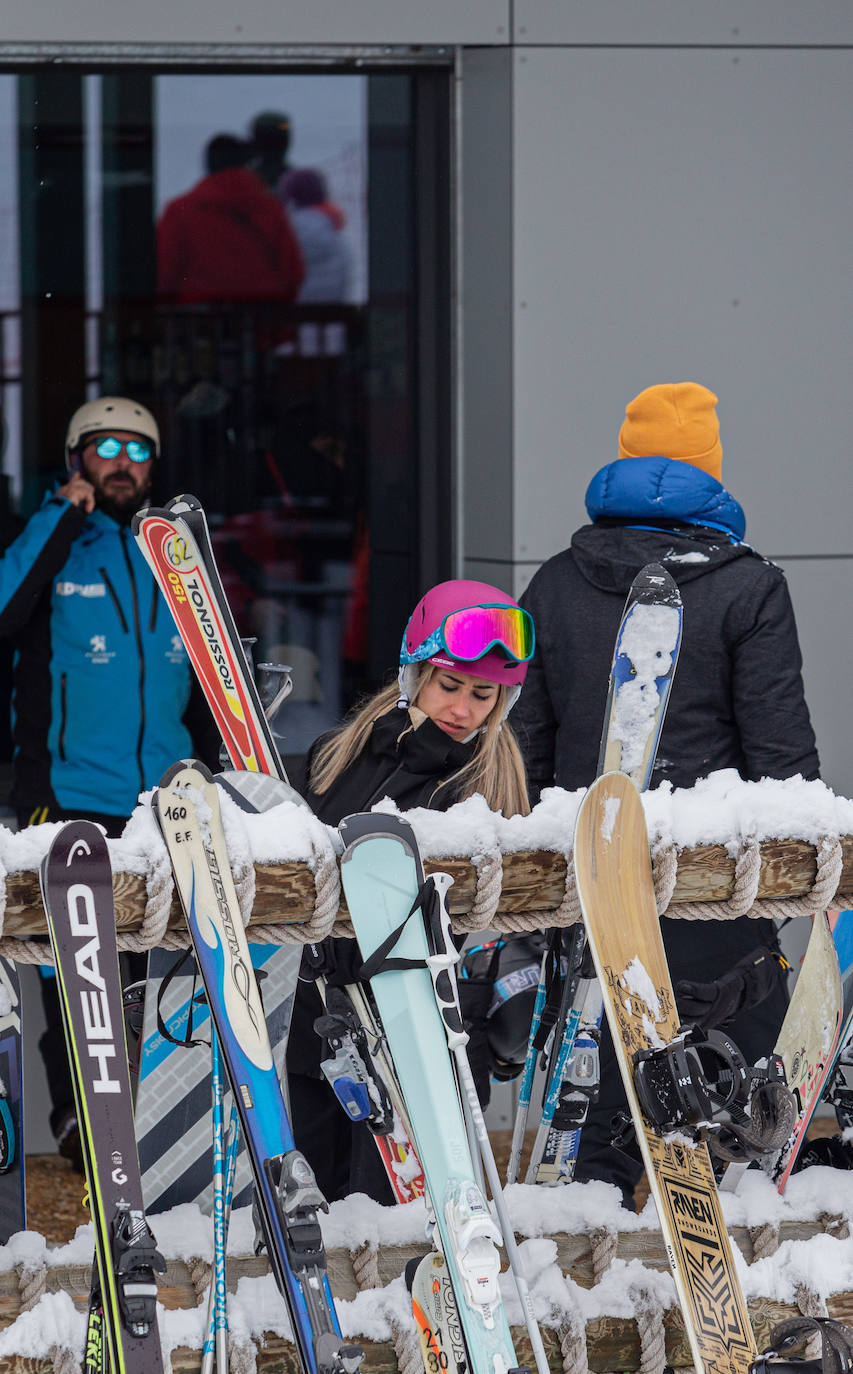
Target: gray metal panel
(685,215)
(486,399)
(683,21)
(822,593)
(500,574)
(257,21)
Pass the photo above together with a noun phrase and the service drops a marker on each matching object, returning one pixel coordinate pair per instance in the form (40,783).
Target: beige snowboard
(614,878)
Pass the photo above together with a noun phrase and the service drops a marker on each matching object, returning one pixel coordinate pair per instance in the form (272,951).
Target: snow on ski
(76,882)
(287,1198)
(645,656)
(641,676)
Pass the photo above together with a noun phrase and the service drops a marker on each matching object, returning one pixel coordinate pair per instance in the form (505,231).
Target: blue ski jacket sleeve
(34,558)
(101,678)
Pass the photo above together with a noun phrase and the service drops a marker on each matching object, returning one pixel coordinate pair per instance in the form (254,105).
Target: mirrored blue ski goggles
(137,450)
(469,634)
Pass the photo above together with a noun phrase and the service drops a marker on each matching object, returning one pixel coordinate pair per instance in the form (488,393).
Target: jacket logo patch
(175,653)
(80,589)
(98,651)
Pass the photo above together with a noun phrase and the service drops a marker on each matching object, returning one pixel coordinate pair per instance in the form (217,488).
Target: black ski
(76,884)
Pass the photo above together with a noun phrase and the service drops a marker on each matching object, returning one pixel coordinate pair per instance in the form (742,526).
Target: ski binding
(135,1260)
(475,1240)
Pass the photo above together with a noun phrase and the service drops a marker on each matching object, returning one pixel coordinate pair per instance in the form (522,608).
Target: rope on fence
(325,918)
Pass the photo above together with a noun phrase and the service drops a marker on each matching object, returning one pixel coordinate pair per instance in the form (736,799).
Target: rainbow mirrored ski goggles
(469,634)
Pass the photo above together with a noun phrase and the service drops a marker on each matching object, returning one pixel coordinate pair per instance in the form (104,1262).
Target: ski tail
(175,543)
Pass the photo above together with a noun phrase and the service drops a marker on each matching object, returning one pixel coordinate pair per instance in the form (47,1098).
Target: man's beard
(121,505)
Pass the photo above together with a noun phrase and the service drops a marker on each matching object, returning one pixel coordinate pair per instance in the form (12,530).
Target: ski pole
(218,1281)
(441,966)
(525,1087)
(230,1170)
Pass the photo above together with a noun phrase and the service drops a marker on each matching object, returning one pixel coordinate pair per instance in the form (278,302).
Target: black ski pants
(701,951)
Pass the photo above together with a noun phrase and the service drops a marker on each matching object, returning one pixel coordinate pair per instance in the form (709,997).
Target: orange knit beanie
(675,420)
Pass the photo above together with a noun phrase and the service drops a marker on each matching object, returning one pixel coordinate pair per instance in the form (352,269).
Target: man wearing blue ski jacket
(737,699)
(101,681)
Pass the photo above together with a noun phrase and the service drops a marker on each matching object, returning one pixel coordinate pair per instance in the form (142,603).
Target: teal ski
(382,878)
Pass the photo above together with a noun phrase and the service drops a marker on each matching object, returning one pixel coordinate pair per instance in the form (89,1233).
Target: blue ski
(287,1198)
(13,1198)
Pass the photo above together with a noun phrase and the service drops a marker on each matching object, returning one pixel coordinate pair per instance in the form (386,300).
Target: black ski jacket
(412,766)
(737,700)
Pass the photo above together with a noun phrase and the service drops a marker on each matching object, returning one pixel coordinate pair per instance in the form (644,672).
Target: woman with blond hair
(436,737)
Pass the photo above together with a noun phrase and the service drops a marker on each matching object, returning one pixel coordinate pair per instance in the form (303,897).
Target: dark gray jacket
(737,700)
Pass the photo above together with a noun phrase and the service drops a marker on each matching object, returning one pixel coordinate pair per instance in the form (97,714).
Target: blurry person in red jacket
(227,239)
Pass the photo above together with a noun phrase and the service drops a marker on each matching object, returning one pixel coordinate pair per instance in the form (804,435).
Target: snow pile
(822,1263)
(723,809)
(720,809)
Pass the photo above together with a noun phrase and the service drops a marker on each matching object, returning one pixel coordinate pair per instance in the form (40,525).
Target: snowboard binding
(836,1355)
(701,1084)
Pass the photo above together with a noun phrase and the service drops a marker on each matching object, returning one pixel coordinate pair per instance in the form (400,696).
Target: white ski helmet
(106,413)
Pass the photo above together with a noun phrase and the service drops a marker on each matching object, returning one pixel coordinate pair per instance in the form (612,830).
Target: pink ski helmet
(471,627)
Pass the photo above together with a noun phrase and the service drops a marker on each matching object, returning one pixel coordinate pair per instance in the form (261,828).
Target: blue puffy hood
(647,491)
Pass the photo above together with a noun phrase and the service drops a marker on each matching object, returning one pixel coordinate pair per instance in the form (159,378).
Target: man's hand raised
(79,492)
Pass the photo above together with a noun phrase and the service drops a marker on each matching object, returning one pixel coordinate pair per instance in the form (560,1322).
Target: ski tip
(372,824)
(147,513)
(76,838)
(180,767)
(180,505)
(655,579)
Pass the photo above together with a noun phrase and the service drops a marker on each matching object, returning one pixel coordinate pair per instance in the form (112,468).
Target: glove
(712,1004)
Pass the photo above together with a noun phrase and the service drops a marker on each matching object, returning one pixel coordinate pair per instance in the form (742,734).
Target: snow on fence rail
(598,1276)
(723,848)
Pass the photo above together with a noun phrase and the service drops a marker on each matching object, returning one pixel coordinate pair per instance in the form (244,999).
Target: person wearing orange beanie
(737,700)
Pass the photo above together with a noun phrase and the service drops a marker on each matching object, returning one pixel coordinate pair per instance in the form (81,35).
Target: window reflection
(241,253)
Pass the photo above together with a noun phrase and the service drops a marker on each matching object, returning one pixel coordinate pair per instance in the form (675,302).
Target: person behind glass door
(228,238)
